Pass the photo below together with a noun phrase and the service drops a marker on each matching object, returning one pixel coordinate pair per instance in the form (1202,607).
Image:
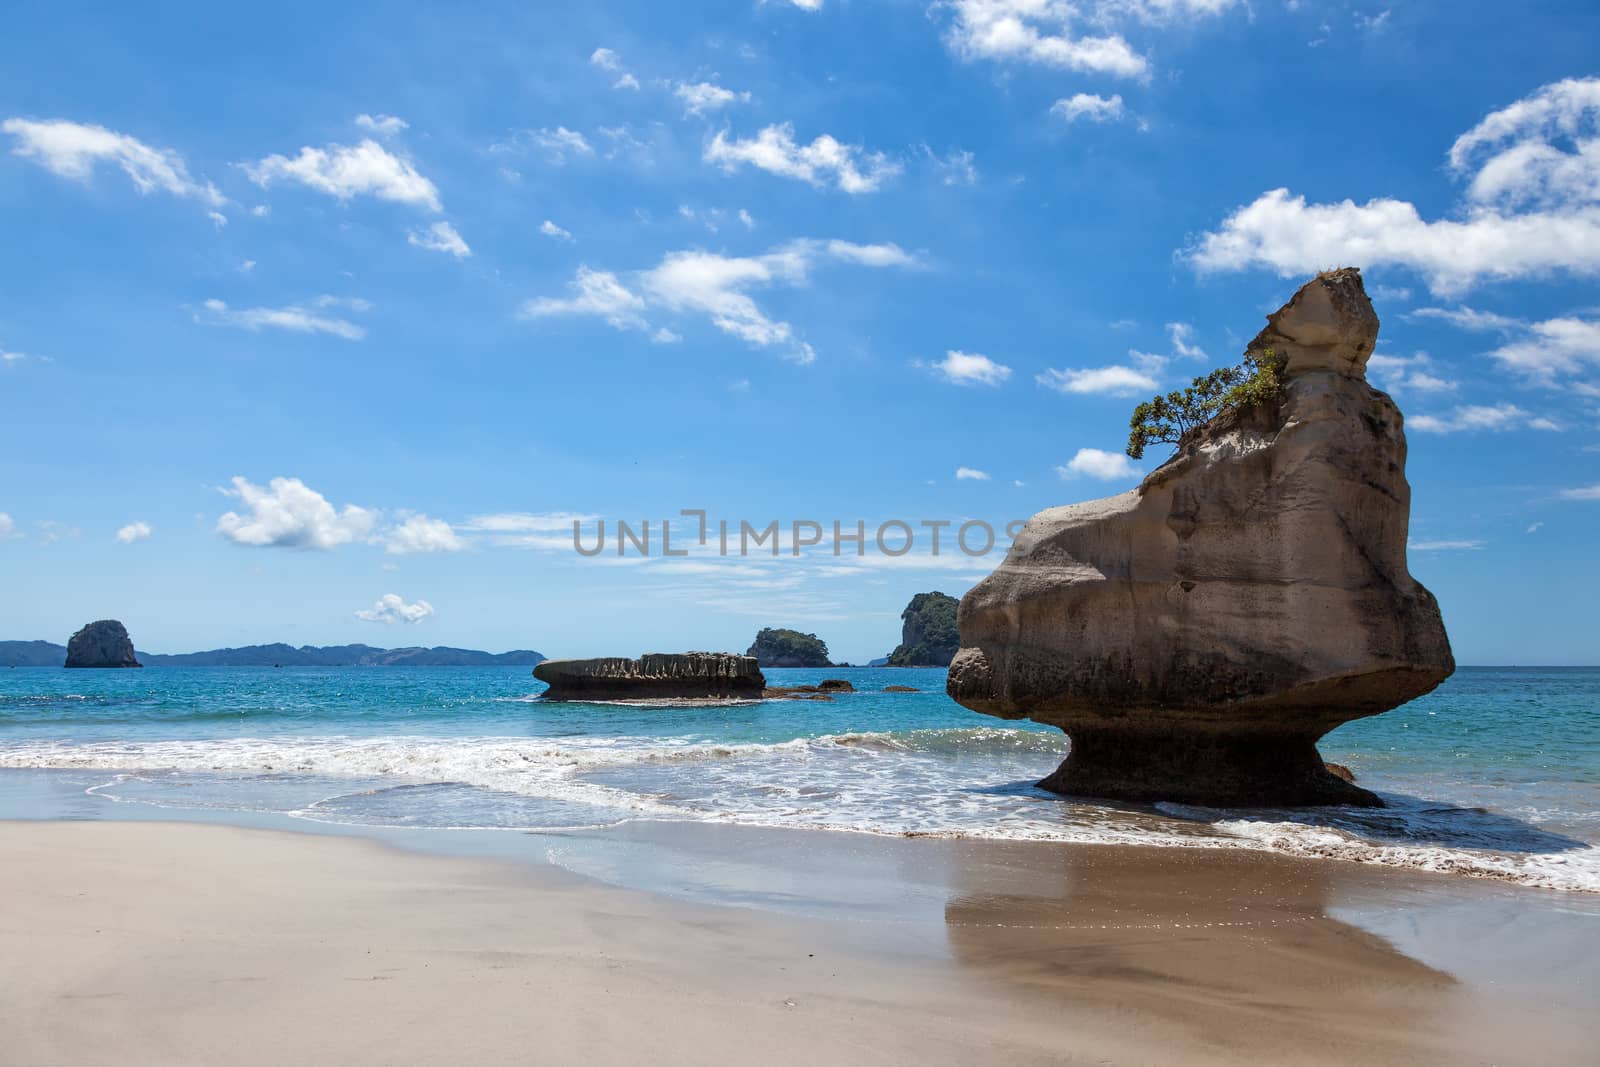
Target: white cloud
(746,218)
(807,5)
(392,608)
(1466,318)
(1038,31)
(382,125)
(605,59)
(287,513)
(419,533)
(594,292)
(1442,546)
(1089,107)
(700,97)
(970,368)
(551,531)
(1181,334)
(715,286)
(955,167)
(348,171)
(1534,527)
(296,318)
(627,81)
(550,229)
(8,359)
(8,528)
(134,531)
(440,237)
(73,150)
(851,169)
(1493,417)
(558,145)
(969,474)
(1531,207)
(1113,381)
(1583,492)
(1553,348)
(1400,373)
(1095,463)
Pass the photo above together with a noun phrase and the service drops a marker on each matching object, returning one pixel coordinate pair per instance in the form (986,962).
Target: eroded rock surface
(101,644)
(1196,636)
(654,676)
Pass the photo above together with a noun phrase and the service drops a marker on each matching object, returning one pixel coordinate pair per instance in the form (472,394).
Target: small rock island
(654,676)
(101,644)
(1197,635)
(928,635)
(774,647)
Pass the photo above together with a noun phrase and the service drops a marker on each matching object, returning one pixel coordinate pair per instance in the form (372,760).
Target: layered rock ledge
(1196,636)
(101,644)
(654,676)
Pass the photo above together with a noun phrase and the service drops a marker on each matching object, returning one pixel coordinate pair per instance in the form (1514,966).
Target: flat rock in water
(654,676)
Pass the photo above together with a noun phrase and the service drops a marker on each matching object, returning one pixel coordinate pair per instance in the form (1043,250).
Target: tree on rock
(775,647)
(928,637)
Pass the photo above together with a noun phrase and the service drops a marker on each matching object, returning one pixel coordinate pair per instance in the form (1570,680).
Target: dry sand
(135,943)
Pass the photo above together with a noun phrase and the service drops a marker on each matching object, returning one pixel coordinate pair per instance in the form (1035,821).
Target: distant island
(928,637)
(774,647)
(47,654)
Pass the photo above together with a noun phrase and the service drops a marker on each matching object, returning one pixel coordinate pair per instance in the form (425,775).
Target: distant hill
(45,654)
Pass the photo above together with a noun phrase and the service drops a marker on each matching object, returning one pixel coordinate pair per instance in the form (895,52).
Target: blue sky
(319,325)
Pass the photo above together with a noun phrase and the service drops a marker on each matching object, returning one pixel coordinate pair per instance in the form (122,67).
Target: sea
(1496,774)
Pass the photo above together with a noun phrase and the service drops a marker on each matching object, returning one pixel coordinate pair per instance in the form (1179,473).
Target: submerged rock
(1196,636)
(654,676)
(101,644)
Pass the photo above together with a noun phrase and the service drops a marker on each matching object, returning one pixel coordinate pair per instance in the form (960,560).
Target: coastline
(190,942)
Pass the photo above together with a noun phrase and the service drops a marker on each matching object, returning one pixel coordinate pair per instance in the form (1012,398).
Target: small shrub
(1172,418)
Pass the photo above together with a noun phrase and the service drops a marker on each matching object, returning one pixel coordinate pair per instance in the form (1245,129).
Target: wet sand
(193,943)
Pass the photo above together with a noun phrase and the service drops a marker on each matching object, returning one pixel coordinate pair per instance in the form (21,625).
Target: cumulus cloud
(1089,107)
(134,531)
(296,318)
(419,533)
(605,59)
(1044,32)
(714,286)
(440,237)
(1466,318)
(550,229)
(287,513)
(970,474)
(1401,373)
(699,97)
(1531,207)
(970,368)
(1115,380)
(1492,417)
(1098,464)
(594,292)
(382,125)
(849,168)
(392,608)
(1547,350)
(73,150)
(348,171)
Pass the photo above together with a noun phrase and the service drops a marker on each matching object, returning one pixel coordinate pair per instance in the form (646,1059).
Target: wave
(907,783)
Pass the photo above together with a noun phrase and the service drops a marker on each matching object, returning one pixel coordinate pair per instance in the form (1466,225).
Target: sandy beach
(194,943)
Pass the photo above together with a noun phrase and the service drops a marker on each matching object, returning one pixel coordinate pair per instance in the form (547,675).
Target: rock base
(1203,767)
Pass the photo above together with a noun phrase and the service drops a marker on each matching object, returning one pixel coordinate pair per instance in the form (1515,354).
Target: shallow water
(1495,774)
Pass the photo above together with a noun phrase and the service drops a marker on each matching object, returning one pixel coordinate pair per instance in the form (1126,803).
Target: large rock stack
(101,644)
(1196,636)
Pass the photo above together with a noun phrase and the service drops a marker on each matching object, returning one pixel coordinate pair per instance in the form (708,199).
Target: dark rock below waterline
(654,676)
(101,644)
(901,689)
(1196,636)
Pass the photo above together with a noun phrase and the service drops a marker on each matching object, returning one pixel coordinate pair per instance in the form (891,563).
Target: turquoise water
(1495,774)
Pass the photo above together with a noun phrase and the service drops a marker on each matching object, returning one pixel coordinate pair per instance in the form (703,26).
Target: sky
(323,324)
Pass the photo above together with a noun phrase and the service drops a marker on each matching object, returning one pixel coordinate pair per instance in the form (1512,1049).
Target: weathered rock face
(101,644)
(1196,636)
(653,676)
(928,636)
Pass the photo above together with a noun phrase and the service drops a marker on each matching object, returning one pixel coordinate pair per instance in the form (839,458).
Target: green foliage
(1172,418)
(789,648)
(929,638)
